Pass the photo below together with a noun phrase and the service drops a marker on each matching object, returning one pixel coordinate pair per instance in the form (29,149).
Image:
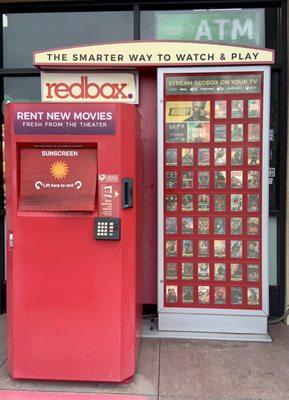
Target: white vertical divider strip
(265,190)
(160,191)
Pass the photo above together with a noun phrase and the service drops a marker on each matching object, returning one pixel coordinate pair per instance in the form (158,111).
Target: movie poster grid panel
(189,122)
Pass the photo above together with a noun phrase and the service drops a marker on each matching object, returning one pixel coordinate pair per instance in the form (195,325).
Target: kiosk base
(150,330)
(216,323)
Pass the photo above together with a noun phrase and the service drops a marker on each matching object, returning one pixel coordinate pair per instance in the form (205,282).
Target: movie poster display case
(213,151)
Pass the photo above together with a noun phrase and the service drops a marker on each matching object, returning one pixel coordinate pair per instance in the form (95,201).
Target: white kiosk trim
(192,322)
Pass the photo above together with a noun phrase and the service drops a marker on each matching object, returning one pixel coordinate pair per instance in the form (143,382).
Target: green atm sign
(245,27)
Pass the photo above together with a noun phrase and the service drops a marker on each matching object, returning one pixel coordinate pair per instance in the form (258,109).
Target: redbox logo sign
(94,87)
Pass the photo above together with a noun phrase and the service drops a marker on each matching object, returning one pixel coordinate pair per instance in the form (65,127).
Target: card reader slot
(127,193)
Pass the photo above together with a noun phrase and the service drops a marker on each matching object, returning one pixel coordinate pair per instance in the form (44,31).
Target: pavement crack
(3,362)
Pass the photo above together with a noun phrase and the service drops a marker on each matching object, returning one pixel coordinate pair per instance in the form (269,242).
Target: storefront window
(242,26)
(273,251)
(274,142)
(25,33)
(22,89)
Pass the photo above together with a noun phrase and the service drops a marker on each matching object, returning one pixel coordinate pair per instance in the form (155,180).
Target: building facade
(29,26)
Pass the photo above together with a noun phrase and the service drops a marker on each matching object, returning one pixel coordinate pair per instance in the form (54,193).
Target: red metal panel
(72,312)
(149,246)
(148,103)
(148,111)
(150,163)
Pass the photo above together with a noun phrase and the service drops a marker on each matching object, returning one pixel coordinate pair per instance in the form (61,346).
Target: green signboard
(245,27)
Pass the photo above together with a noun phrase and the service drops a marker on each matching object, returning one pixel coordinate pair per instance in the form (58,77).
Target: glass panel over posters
(213,135)
(243,26)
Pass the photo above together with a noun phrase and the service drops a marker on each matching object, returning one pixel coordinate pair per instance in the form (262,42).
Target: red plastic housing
(73,302)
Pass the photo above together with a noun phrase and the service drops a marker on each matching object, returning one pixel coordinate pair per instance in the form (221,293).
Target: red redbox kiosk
(73,238)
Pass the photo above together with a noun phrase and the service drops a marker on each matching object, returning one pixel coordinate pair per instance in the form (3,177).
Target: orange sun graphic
(59,169)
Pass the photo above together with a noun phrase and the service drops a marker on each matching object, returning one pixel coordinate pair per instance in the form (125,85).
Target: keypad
(107,229)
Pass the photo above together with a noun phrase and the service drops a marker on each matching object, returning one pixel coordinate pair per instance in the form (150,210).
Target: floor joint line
(159,374)
(3,362)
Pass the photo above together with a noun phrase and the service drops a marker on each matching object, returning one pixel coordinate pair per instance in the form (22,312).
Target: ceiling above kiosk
(146,53)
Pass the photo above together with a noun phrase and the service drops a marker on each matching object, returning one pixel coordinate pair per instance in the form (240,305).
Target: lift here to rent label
(31,119)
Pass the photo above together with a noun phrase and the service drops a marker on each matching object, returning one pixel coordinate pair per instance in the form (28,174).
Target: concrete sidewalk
(172,369)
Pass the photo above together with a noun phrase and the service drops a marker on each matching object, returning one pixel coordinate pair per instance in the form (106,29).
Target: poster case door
(213,156)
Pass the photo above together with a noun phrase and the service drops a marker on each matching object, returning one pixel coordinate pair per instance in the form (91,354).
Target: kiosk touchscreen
(73,223)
